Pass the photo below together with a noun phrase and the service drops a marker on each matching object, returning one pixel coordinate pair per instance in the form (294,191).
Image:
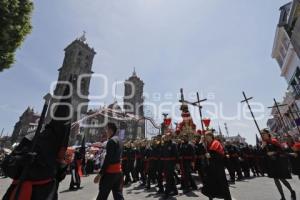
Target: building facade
(286,43)
(27,123)
(284,119)
(130,119)
(238,138)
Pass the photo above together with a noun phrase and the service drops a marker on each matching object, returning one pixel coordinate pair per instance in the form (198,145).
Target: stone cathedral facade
(77,71)
(133,103)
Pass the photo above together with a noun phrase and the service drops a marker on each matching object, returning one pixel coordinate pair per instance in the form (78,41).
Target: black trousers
(139,171)
(188,180)
(170,179)
(111,182)
(158,167)
(234,167)
(75,180)
(151,175)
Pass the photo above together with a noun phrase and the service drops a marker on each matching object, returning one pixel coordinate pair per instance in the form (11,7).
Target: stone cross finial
(83,38)
(181,95)
(134,73)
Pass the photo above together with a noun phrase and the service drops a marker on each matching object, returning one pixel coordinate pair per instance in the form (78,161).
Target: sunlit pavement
(252,189)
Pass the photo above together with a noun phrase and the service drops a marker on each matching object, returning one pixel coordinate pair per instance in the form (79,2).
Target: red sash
(168,158)
(26,189)
(79,165)
(217,146)
(297,146)
(114,168)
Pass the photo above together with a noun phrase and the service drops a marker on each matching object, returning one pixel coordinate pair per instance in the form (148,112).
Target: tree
(15,24)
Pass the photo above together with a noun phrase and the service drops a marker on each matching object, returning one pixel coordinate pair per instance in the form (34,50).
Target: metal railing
(296,91)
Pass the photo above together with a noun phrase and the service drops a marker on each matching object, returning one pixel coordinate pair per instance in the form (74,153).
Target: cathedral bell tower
(134,103)
(77,70)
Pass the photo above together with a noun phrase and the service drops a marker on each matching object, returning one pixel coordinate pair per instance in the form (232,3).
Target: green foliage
(15,24)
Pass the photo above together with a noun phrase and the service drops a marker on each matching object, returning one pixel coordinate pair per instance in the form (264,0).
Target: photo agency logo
(131,104)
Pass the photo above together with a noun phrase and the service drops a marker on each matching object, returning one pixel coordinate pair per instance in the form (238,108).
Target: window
(282,52)
(78,61)
(83,86)
(285,43)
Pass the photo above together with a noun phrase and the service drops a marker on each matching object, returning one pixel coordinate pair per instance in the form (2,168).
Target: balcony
(284,12)
(296,91)
(295,39)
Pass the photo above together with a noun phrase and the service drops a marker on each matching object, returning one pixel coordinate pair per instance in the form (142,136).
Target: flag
(167,122)
(206,122)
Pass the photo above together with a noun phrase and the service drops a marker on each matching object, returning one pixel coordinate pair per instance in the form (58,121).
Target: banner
(167,122)
(206,122)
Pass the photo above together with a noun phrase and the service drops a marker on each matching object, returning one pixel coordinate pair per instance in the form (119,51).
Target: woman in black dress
(215,184)
(276,160)
(293,150)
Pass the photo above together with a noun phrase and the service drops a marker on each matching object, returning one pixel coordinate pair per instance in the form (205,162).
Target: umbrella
(97,144)
(94,149)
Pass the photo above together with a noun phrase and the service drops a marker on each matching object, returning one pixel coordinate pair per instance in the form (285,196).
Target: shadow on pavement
(68,190)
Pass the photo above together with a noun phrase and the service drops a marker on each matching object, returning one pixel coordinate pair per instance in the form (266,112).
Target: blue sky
(215,47)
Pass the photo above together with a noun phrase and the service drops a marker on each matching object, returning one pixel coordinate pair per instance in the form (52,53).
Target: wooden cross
(246,99)
(276,105)
(196,103)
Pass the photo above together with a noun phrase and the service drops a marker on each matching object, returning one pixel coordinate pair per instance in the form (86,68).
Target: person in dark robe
(139,161)
(158,164)
(169,157)
(125,164)
(90,163)
(232,162)
(246,160)
(110,177)
(261,161)
(277,167)
(75,171)
(36,161)
(293,150)
(215,184)
(200,157)
(150,158)
(83,163)
(252,161)
(131,161)
(187,162)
